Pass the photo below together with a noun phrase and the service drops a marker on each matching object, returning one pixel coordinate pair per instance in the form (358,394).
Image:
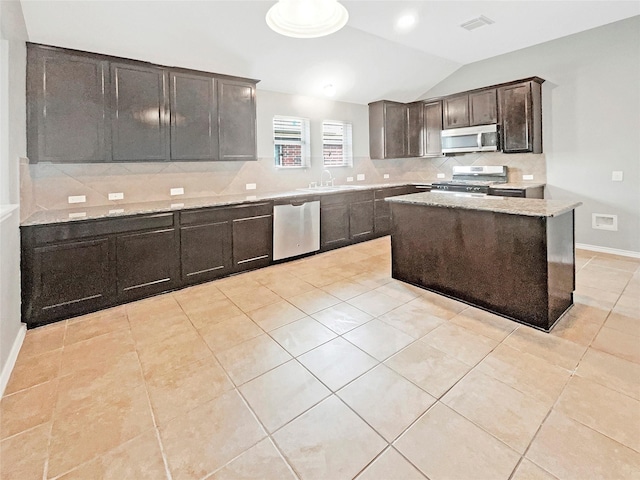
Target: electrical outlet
(177,205)
(527,177)
(360,176)
(617,176)
(386,175)
(177,191)
(440,175)
(77,198)
(116,196)
(251,186)
(349,179)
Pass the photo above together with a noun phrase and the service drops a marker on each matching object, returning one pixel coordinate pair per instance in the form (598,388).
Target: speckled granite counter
(45,217)
(530,207)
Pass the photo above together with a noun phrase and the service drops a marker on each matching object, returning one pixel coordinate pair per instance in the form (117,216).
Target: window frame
(304,142)
(346,143)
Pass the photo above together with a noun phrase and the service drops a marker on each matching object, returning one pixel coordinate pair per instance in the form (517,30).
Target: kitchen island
(511,256)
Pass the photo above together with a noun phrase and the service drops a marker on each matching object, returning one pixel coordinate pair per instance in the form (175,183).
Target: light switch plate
(251,186)
(116,196)
(349,179)
(77,198)
(177,191)
(527,177)
(360,176)
(617,176)
(440,175)
(386,175)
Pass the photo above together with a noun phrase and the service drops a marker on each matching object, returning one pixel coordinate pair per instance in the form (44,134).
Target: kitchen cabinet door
(252,242)
(206,251)
(416,129)
(361,220)
(64,279)
(237,120)
(388,130)
(334,225)
(455,111)
(483,107)
(433,128)
(194,117)
(520,112)
(147,263)
(67,107)
(139,117)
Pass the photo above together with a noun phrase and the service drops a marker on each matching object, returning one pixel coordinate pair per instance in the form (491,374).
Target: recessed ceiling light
(329,90)
(406,22)
(307,18)
(481,21)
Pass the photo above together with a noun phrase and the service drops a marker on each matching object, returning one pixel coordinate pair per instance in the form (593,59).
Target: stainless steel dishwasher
(296,227)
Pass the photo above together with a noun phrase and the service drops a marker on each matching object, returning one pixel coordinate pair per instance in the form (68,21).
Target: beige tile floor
(326,368)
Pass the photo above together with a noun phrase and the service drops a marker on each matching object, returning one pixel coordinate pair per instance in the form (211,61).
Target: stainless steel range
(472,179)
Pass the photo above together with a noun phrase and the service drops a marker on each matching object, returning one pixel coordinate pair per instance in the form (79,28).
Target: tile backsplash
(48,186)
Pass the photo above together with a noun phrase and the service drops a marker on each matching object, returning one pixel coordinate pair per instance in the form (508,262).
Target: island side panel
(495,261)
(561,263)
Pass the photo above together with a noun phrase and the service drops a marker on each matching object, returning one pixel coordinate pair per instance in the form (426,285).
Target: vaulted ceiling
(368,60)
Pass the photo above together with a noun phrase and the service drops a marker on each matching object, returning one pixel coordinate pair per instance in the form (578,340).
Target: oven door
(483,138)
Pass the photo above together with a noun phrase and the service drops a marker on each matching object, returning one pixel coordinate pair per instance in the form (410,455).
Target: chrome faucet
(329,182)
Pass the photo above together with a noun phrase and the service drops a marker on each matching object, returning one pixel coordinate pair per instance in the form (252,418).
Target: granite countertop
(531,207)
(44,217)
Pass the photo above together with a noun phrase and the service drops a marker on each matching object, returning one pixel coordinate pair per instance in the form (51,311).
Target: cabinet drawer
(96,228)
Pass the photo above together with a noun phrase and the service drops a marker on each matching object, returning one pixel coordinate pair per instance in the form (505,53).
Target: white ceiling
(367,60)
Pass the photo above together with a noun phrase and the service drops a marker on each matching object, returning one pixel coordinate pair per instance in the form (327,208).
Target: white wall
(591,121)
(13,146)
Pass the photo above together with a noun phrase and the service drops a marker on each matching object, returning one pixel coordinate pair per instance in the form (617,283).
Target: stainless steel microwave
(483,138)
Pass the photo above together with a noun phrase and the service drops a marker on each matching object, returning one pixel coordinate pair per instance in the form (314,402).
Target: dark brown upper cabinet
(432,128)
(194,112)
(388,127)
(483,107)
(237,120)
(520,111)
(68,107)
(139,116)
(86,107)
(455,111)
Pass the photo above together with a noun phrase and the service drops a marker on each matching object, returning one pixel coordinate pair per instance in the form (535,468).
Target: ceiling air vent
(481,21)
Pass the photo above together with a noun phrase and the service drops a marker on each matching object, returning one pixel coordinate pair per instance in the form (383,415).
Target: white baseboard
(11,360)
(612,251)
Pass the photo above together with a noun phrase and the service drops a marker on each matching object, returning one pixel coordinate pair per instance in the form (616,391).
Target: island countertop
(531,207)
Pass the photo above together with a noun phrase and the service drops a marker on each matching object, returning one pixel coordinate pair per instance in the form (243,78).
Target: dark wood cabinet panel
(388,130)
(455,111)
(206,251)
(66,279)
(139,119)
(334,225)
(194,117)
(67,107)
(483,107)
(433,128)
(416,130)
(521,117)
(252,242)
(237,120)
(361,220)
(146,262)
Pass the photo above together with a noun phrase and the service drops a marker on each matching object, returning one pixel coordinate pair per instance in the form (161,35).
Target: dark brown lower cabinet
(334,225)
(361,220)
(146,263)
(382,208)
(205,251)
(253,237)
(68,278)
(346,218)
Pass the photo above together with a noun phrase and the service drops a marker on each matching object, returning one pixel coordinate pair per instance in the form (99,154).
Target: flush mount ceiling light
(307,18)
(406,22)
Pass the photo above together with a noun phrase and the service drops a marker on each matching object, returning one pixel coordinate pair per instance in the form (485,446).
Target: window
(291,141)
(337,149)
